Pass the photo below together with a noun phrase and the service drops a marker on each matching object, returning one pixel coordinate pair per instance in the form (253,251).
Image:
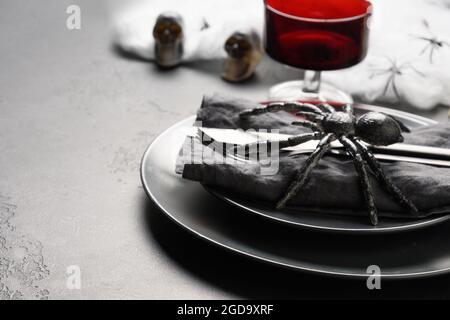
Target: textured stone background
(75,118)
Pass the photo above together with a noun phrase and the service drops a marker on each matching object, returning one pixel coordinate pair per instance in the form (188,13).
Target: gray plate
(407,254)
(333,222)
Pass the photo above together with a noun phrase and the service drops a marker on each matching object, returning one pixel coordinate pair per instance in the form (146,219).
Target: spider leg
(391,61)
(360,167)
(302,176)
(290,142)
(327,108)
(310,108)
(302,138)
(394,87)
(375,166)
(388,84)
(310,116)
(409,65)
(426,47)
(273,107)
(433,47)
(427,39)
(307,124)
(379,72)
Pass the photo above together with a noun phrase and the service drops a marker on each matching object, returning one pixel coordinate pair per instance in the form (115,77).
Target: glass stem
(311,81)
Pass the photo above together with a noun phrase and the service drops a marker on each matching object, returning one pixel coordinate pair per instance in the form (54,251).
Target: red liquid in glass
(296,36)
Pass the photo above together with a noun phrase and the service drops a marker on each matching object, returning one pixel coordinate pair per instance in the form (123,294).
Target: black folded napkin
(334,185)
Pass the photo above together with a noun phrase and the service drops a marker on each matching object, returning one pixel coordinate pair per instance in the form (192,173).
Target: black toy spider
(328,125)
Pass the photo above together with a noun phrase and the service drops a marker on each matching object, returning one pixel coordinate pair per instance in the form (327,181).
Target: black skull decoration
(168,34)
(243,55)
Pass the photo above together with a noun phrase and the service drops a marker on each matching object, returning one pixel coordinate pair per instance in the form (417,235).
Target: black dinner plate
(417,253)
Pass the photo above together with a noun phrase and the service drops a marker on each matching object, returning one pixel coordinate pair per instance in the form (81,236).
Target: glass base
(292,90)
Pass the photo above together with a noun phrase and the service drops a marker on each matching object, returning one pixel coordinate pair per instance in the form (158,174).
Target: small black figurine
(168,34)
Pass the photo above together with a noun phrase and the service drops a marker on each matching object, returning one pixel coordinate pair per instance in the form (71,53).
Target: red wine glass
(316,35)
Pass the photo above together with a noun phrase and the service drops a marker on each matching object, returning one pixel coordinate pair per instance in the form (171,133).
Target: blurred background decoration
(168,36)
(244,54)
(409,49)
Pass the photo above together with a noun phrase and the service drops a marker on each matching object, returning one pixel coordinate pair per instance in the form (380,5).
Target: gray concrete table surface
(75,119)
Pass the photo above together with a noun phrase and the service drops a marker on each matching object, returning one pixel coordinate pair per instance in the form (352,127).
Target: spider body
(379,129)
(329,125)
(339,123)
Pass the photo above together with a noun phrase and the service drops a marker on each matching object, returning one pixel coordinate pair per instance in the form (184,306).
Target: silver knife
(384,157)
(396,152)
(397,149)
